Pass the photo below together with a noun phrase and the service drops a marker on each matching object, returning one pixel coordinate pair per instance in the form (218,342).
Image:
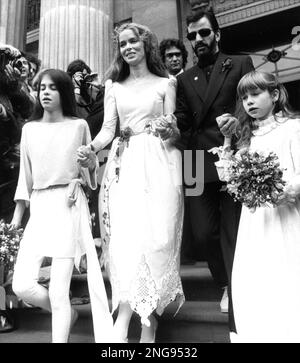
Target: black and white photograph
(149,174)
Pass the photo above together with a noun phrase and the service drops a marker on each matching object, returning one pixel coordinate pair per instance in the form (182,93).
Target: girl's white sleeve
(111,117)
(25,182)
(89,176)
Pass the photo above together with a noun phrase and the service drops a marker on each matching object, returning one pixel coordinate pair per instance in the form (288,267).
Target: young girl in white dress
(141,201)
(266,269)
(50,182)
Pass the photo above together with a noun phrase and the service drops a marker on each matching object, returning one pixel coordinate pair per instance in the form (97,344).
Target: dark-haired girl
(50,182)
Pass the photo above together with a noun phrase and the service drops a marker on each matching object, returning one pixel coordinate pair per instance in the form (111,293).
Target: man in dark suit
(205,92)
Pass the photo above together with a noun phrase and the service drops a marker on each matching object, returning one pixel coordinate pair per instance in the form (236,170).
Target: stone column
(72,29)
(13,22)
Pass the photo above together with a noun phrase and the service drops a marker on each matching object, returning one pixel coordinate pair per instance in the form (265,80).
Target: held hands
(227,124)
(86,157)
(164,125)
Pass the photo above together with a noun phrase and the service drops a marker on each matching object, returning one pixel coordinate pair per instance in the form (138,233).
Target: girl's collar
(267,125)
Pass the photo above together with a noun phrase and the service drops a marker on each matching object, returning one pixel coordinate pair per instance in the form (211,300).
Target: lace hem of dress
(145,296)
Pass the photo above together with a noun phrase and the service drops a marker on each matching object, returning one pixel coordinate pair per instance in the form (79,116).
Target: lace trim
(145,296)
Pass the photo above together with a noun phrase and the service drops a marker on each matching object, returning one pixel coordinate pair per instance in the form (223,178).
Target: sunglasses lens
(204,32)
(191,36)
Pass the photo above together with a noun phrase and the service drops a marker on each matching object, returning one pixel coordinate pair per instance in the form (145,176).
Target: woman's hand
(165,127)
(227,124)
(165,132)
(86,157)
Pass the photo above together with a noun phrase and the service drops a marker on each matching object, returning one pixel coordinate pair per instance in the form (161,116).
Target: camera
(88,78)
(17,63)
(6,58)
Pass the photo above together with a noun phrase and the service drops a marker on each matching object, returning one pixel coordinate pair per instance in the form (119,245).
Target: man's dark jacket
(199,103)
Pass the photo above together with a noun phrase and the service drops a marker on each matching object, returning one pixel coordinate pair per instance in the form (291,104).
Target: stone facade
(72,29)
(12,22)
(83,28)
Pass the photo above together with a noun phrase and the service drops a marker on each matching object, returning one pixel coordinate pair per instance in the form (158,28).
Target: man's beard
(208,52)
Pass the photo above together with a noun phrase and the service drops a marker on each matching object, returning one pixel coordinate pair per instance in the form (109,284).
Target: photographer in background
(24,67)
(35,66)
(89,95)
(16,106)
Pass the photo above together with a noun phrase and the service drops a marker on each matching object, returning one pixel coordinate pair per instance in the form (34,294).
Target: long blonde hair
(119,69)
(264,81)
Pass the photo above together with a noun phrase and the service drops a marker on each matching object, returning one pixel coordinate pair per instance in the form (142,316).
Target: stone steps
(198,321)
(196,280)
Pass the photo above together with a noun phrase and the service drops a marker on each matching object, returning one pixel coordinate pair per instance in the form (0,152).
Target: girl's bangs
(252,82)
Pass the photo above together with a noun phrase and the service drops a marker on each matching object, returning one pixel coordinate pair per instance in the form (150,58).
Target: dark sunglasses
(204,32)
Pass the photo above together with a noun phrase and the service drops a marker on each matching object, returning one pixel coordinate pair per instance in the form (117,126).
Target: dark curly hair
(166,44)
(119,69)
(77,65)
(33,59)
(209,14)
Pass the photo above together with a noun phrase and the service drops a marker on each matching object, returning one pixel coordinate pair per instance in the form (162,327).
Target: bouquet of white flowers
(10,238)
(252,178)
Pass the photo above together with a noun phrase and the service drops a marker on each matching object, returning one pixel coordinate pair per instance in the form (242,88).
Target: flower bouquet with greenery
(10,238)
(255,179)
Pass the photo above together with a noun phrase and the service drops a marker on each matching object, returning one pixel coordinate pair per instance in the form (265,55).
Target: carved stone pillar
(13,22)
(72,29)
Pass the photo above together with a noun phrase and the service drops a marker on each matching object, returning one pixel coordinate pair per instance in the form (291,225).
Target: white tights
(56,300)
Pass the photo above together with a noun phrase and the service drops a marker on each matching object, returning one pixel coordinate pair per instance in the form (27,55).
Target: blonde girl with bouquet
(50,182)
(266,269)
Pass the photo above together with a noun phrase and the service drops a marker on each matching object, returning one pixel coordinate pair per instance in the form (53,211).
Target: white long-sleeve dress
(141,200)
(59,226)
(266,268)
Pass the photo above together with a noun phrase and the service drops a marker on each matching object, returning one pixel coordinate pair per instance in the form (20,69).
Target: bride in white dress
(266,268)
(141,200)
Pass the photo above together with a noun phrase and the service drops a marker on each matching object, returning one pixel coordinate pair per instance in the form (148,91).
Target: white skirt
(60,230)
(266,275)
(50,229)
(141,216)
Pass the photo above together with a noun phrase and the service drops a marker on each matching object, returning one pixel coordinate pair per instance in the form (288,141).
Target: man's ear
(218,35)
